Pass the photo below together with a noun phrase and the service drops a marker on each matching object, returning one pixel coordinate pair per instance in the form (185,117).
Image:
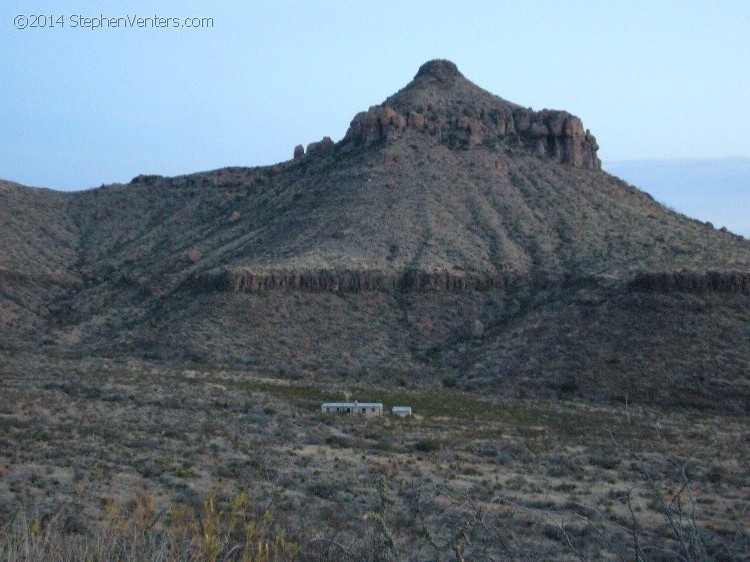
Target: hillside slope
(451,235)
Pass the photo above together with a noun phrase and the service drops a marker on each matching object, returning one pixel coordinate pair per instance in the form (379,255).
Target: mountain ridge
(449,234)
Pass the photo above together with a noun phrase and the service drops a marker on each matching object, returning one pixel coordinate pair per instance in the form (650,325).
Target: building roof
(352,405)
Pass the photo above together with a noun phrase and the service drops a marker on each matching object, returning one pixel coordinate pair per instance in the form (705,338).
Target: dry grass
(92,451)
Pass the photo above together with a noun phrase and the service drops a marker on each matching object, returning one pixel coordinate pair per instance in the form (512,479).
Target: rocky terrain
(577,354)
(443,103)
(143,460)
(442,209)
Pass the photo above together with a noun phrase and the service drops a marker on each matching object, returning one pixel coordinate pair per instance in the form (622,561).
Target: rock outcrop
(246,280)
(376,124)
(194,255)
(463,115)
(321,147)
(555,134)
(692,282)
(440,70)
(242,280)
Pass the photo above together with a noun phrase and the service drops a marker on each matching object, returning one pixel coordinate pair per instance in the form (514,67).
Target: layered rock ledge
(555,134)
(240,280)
(252,280)
(693,282)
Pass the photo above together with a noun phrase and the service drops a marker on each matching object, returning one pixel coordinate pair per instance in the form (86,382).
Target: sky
(83,106)
(715,190)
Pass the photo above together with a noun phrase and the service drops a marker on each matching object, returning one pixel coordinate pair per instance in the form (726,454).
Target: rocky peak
(443,71)
(441,103)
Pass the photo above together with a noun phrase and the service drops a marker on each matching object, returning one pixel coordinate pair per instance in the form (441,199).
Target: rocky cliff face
(484,121)
(243,280)
(251,281)
(735,282)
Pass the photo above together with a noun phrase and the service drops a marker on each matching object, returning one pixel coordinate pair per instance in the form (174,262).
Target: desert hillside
(450,235)
(575,354)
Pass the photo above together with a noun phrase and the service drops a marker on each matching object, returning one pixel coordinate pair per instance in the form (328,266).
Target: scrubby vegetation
(144,461)
(576,354)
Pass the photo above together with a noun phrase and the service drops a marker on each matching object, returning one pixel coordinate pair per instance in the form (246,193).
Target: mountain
(451,237)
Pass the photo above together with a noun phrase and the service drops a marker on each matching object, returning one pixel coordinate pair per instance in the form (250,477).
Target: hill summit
(450,235)
(439,69)
(443,103)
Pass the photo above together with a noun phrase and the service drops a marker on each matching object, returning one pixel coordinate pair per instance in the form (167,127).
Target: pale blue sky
(80,107)
(714,190)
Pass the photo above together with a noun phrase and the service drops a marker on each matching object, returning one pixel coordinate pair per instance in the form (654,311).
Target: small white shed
(401,411)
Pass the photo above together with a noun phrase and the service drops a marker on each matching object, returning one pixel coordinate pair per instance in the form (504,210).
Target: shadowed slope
(38,259)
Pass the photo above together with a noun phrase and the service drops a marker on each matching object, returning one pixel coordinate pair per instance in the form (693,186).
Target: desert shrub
(519,452)
(427,445)
(338,441)
(450,382)
(323,490)
(603,458)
